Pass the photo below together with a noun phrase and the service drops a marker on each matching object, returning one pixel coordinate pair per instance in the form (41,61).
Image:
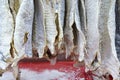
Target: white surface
(45,75)
(31,75)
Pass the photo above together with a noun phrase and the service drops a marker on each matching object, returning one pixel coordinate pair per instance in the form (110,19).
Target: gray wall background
(117,39)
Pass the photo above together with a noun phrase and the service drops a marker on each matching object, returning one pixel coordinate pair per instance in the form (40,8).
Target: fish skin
(68,31)
(81,41)
(110,63)
(60,14)
(92,34)
(6,32)
(24,20)
(38,36)
(74,37)
(49,23)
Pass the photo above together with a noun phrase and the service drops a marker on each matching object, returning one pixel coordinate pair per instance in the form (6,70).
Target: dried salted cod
(7,30)
(110,64)
(6,33)
(93,58)
(23,28)
(38,37)
(59,7)
(68,34)
(80,41)
(82,13)
(49,22)
(73,35)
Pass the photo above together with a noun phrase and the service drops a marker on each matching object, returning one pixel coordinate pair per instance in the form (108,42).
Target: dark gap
(65,14)
(16,6)
(75,34)
(57,27)
(25,37)
(108,76)
(12,49)
(34,22)
(34,51)
(81,14)
(75,41)
(95,59)
(11,11)
(117,36)
(49,55)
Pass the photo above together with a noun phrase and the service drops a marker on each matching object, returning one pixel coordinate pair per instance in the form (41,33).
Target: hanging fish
(69,21)
(93,56)
(38,34)
(23,28)
(110,64)
(80,41)
(59,8)
(6,34)
(7,50)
